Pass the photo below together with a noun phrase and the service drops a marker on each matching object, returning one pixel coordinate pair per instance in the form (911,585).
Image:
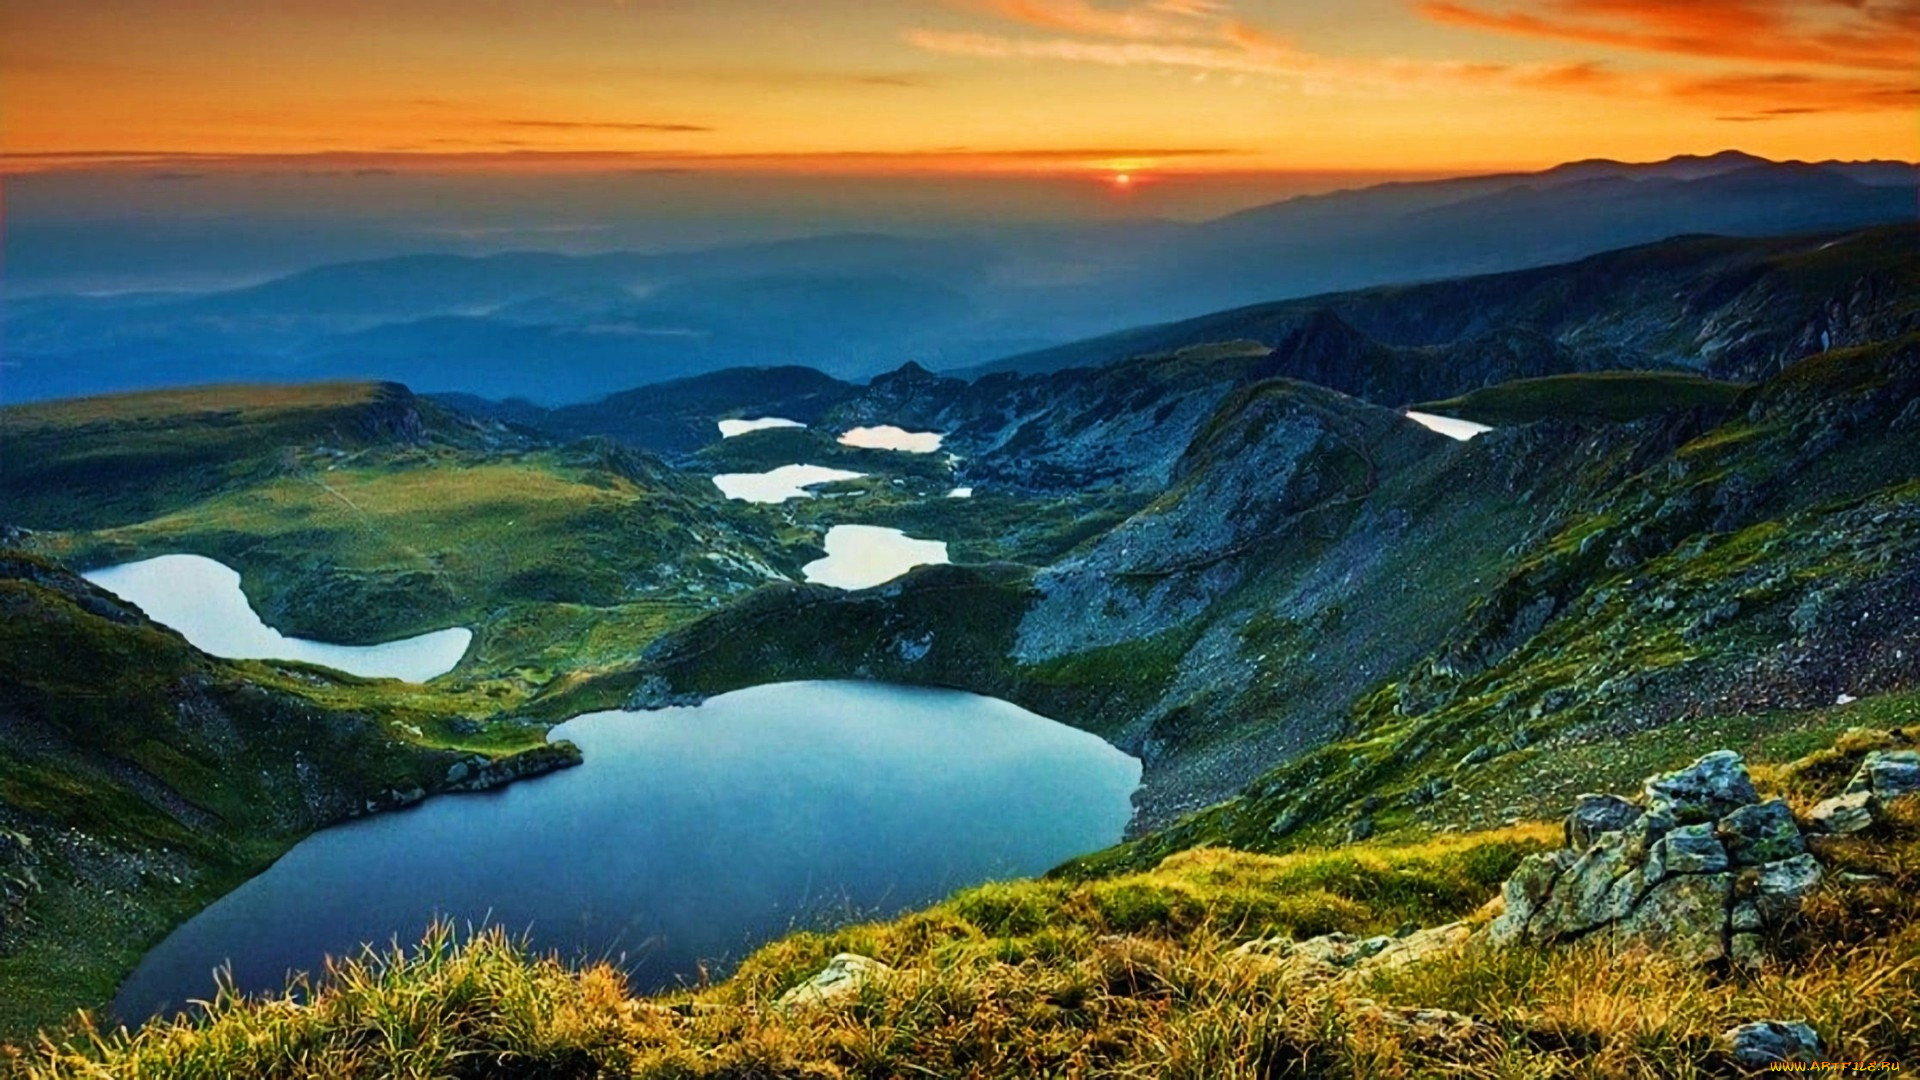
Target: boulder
(1888,775)
(843,977)
(1765,1042)
(1844,814)
(1761,833)
(1707,790)
(1668,877)
(1596,814)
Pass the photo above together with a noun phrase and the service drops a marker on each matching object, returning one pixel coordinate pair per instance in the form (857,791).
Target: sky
(1139,89)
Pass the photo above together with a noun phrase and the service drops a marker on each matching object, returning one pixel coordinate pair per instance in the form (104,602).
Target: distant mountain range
(1733,309)
(557,328)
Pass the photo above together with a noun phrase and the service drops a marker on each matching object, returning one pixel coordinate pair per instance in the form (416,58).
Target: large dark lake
(690,835)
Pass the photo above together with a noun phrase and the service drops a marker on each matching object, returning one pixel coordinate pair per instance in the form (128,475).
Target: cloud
(602,125)
(1877,35)
(1158,20)
(1871,38)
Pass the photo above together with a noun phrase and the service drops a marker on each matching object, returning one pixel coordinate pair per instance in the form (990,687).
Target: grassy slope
(1606,397)
(358,513)
(1124,976)
(151,778)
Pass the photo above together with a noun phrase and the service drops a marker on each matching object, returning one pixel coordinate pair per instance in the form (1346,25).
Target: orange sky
(958,85)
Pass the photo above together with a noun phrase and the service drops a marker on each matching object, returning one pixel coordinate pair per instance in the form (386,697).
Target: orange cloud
(1163,19)
(1868,34)
(1864,35)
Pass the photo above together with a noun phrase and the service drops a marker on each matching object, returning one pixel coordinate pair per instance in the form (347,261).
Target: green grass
(1607,397)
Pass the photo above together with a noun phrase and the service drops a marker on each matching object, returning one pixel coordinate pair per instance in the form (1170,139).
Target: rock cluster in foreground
(1700,868)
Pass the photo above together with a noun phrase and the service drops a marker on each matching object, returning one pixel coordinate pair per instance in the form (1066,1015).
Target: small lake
(201,599)
(731,428)
(1451,427)
(888,437)
(779,485)
(689,834)
(862,556)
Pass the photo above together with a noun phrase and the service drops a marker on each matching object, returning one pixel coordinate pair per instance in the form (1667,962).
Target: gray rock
(1689,849)
(1888,774)
(1764,1042)
(1747,949)
(1587,895)
(1707,790)
(1596,814)
(1783,885)
(843,977)
(1844,814)
(1685,915)
(1762,833)
(1528,887)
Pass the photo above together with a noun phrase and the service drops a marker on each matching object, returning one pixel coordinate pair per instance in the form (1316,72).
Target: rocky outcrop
(19,878)
(481,773)
(1344,956)
(1885,775)
(843,977)
(1703,869)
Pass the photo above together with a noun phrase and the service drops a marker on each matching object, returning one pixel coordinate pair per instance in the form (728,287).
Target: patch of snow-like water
(201,598)
(781,484)
(1451,427)
(862,556)
(730,428)
(888,437)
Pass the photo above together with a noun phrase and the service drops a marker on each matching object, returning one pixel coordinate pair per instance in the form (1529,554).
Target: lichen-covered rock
(1594,815)
(843,977)
(1888,775)
(1704,873)
(1765,1042)
(1684,915)
(1330,950)
(1586,895)
(1689,849)
(1844,814)
(1707,790)
(1783,885)
(1526,889)
(1761,833)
